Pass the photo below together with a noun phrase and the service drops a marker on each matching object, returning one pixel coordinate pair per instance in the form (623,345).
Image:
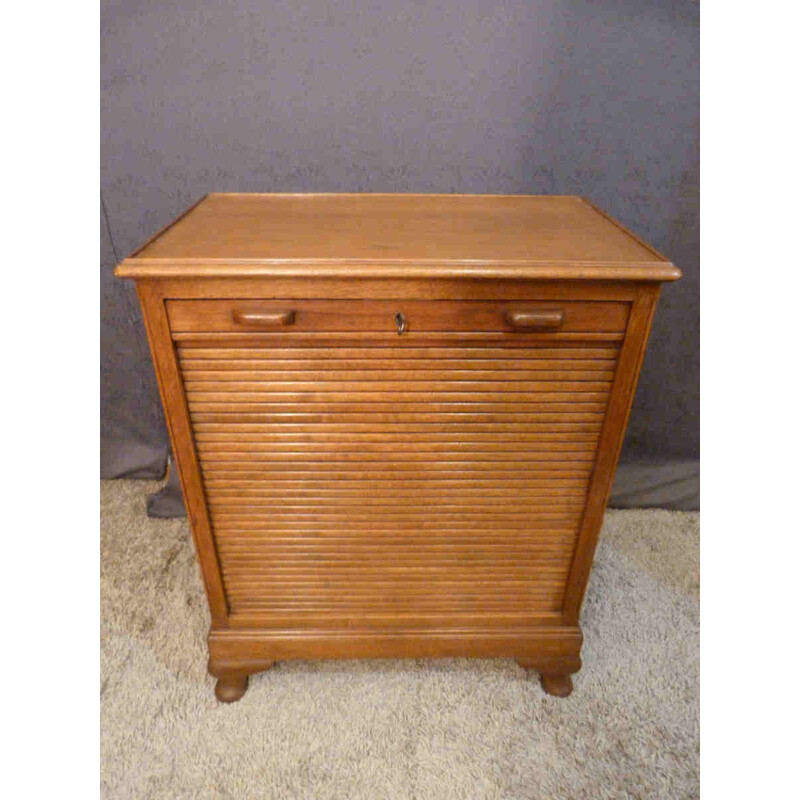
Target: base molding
(236,653)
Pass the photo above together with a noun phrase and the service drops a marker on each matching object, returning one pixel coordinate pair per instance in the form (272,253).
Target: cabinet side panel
(181,439)
(610,444)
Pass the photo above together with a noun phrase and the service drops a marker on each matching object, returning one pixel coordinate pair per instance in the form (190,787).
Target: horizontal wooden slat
(287,487)
(239,498)
(423,554)
(486,514)
(388,510)
(388,411)
(433,561)
(266,617)
(382,484)
(366,614)
(285,430)
(388,388)
(490,509)
(400,449)
(342,353)
(446,523)
(423,579)
(487,587)
(385,457)
(372,617)
(364,611)
(240,401)
(410,573)
(355,437)
(375,569)
(545,596)
(390,339)
(340,540)
(337,537)
(422,585)
(328,618)
(542,534)
(249,494)
(538,597)
(333,368)
(283,565)
(454,470)
(357,470)
(449,526)
(382,591)
(345,377)
(420,592)
(481,504)
(221,501)
(541,477)
(267,561)
(542,598)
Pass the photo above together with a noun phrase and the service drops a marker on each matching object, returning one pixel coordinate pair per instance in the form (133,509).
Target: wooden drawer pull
(535,320)
(263,318)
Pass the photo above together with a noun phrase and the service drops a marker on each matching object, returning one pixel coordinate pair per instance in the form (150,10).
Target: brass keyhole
(400,322)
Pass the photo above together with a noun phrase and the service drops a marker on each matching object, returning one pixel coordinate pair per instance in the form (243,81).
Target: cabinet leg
(555,674)
(232,677)
(557,685)
(230,688)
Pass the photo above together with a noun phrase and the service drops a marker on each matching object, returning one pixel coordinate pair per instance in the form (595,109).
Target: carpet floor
(449,728)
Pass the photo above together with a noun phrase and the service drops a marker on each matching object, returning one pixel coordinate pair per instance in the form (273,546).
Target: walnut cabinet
(395,418)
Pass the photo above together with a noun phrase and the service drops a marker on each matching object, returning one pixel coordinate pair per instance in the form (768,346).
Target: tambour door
(369,461)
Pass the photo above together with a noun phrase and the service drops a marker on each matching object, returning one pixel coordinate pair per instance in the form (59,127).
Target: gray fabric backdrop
(590,97)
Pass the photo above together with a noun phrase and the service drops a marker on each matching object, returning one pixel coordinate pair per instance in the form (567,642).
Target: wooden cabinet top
(397,235)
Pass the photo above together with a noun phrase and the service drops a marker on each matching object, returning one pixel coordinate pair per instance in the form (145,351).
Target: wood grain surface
(318,539)
(401,235)
(394,437)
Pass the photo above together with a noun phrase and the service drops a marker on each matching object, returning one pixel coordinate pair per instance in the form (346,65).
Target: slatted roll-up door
(372,483)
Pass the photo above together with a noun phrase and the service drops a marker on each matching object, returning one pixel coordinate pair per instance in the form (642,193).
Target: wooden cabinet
(395,418)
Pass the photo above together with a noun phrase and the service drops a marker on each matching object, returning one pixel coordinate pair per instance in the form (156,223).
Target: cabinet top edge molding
(542,237)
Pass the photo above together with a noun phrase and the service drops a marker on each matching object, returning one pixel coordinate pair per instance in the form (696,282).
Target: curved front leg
(555,674)
(232,678)
(230,688)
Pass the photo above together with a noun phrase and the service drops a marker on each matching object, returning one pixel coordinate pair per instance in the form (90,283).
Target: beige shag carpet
(454,728)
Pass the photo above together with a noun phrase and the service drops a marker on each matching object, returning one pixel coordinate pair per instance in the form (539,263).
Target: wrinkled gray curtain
(133,438)
(531,96)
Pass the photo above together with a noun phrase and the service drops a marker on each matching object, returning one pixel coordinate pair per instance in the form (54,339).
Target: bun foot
(557,685)
(231,688)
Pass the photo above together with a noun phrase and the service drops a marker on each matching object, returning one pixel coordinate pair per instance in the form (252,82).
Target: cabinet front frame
(154,292)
